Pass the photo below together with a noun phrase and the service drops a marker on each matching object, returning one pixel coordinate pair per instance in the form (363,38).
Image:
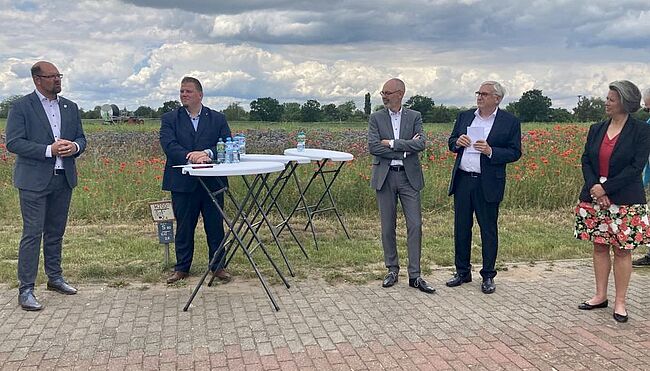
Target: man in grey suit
(44,131)
(395,138)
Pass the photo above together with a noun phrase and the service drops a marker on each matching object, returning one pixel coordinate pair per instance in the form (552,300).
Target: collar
(194,117)
(41,97)
(493,114)
(398,113)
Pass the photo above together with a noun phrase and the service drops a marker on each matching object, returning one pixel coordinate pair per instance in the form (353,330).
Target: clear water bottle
(228,150)
(242,144)
(221,151)
(301,141)
(235,149)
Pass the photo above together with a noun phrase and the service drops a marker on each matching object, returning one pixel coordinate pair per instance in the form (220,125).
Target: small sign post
(163,214)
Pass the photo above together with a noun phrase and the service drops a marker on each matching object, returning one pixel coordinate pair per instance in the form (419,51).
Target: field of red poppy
(121,172)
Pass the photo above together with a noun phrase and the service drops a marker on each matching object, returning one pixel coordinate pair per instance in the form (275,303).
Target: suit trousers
(187,207)
(469,199)
(45,215)
(397,186)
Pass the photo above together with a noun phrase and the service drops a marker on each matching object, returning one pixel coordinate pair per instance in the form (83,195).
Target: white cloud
(130,54)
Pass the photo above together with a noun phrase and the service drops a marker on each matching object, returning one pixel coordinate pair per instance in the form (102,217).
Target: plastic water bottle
(301,141)
(221,151)
(228,150)
(235,149)
(242,144)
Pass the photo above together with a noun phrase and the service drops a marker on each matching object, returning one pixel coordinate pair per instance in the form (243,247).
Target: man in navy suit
(478,179)
(189,134)
(44,131)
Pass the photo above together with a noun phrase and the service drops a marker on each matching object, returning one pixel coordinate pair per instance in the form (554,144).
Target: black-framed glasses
(482,93)
(56,75)
(387,93)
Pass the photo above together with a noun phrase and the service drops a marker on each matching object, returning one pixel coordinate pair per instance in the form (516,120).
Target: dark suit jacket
(28,135)
(505,140)
(624,185)
(178,138)
(380,127)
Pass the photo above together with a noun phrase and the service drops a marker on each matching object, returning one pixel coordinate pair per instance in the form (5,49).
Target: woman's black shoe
(620,318)
(587,306)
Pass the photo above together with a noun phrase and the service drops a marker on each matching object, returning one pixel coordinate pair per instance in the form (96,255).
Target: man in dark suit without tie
(44,131)
(395,139)
(189,135)
(478,179)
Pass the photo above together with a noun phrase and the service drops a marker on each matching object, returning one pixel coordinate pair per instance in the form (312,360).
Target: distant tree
(330,113)
(144,111)
(589,109)
(440,114)
(265,109)
(367,109)
(346,110)
(358,116)
(291,112)
(560,115)
(235,112)
(533,106)
(310,111)
(169,106)
(5,105)
(422,104)
(93,114)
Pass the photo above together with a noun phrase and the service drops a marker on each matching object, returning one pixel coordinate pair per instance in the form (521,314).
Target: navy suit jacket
(178,138)
(624,185)
(505,140)
(28,135)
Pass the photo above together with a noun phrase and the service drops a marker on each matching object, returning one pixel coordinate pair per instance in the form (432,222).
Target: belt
(469,173)
(396,168)
(59,171)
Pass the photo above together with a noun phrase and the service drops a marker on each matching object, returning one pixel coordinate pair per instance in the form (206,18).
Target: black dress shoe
(59,285)
(458,280)
(620,318)
(488,286)
(28,301)
(390,279)
(422,285)
(587,306)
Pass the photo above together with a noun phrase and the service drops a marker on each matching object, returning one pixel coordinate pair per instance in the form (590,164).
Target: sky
(135,52)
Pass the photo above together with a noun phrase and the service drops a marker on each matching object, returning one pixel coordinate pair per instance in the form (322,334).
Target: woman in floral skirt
(612,211)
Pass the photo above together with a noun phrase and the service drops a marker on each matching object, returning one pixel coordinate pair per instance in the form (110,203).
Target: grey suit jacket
(28,134)
(380,127)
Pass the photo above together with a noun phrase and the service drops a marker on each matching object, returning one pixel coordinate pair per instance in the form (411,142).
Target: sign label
(161,211)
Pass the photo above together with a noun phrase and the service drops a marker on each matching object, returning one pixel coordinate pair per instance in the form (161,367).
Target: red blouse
(605,153)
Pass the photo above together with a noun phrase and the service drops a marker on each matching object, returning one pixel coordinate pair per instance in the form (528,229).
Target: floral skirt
(624,226)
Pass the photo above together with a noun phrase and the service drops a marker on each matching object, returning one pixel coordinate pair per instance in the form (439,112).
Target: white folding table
(321,157)
(260,171)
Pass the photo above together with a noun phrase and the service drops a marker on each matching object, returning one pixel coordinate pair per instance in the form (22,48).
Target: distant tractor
(110,114)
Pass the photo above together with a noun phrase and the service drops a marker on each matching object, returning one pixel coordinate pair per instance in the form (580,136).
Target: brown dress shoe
(222,275)
(177,276)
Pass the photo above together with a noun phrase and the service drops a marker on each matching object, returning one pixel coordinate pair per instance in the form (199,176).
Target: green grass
(119,253)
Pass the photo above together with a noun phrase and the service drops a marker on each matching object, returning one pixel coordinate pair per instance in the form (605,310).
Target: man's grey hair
(499,90)
(629,94)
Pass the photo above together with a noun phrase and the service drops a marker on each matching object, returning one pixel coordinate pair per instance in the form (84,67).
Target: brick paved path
(531,322)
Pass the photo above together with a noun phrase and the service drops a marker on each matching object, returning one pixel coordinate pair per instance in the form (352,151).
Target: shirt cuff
(391,143)
(209,153)
(405,153)
(48,151)
(78,148)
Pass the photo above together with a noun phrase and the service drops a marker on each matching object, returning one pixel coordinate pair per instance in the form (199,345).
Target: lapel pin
(65,106)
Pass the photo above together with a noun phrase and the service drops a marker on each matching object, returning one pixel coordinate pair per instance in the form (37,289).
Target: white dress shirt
(396,122)
(53,114)
(471,161)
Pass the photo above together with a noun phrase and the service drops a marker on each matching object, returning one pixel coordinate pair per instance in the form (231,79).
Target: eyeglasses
(482,94)
(56,75)
(387,93)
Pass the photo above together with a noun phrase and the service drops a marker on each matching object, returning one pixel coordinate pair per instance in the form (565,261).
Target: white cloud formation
(135,52)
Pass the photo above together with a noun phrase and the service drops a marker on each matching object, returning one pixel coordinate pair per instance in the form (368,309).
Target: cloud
(135,52)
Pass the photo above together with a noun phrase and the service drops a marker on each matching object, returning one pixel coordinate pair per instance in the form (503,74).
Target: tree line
(533,105)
